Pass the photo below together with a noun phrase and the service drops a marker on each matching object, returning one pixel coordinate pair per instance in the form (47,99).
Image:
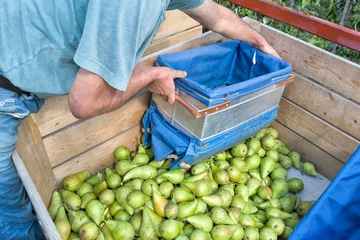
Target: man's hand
(164,83)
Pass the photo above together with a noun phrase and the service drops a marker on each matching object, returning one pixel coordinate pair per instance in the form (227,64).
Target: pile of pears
(241,193)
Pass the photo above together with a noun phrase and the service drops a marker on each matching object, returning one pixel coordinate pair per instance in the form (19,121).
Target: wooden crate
(319,116)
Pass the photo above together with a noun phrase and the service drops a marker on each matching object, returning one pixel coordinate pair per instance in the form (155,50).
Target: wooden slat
(84,135)
(42,214)
(32,151)
(98,158)
(324,162)
(327,137)
(173,39)
(324,67)
(333,108)
(176,21)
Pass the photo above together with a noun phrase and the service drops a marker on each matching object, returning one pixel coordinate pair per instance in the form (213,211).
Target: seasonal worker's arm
(222,20)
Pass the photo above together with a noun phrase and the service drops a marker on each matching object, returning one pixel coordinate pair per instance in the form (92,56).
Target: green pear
(240,164)
(295,185)
(71,200)
(147,229)
(96,211)
(146,187)
(202,207)
(107,233)
(272,212)
(260,216)
(195,178)
(157,164)
(261,153)
(182,195)
(282,148)
(254,173)
(121,195)
(72,182)
(229,187)
(266,181)
(242,191)
(165,189)
(74,236)
(200,188)
(234,174)
(124,166)
(250,208)
(272,131)
(267,142)
(174,176)
(89,231)
(252,162)
(244,177)
(113,180)
(293,221)
(84,188)
(101,236)
(247,220)
(285,161)
(286,234)
(142,172)
(159,203)
(271,203)
(277,225)
(295,158)
(214,184)
(55,204)
(187,209)
(267,165)
(171,228)
(114,207)
(279,188)
(220,216)
(221,177)
(253,184)
(171,209)
(182,237)
(122,153)
(199,234)
(223,232)
(259,135)
(288,203)
(77,219)
(268,233)
(238,234)
(201,221)
(121,230)
(264,192)
(64,229)
(251,233)
(213,200)
(279,173)
(225,196)
(96,178)
(257,200)
(155,219)
(303,207)
(223,164)
(136,199)
(107,197)
(240,150)
(188,229)
(228,154)
(234,214)
(273,154)
(199,168)
(122,215)
(254,146)
(61,215)
(98,188)
(309,169)
(220,156)
(140,159)
(135,221)
(278,165)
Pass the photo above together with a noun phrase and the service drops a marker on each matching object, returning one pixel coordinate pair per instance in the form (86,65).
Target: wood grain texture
(32,151)
(173,39)
(320,133)
(42,214)
(176,21)
(333,108)
(324,67)
(99,157)
(78,138)
(326,164)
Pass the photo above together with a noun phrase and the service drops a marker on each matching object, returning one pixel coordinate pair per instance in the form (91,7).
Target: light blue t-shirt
(43,42)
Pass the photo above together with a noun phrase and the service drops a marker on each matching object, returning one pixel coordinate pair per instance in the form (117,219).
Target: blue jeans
(17,219)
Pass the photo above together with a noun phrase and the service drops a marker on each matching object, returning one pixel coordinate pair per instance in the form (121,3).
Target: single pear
(234,174)
(122,153)
(188,229)
(267,142)
(273,154)
(165,189)
(174,176)
(142,172)
(247,220)
(234,213)
(135,221)
(182,195)
(147,230)
(89,231)
(261,153)
(96,178)
(159,203)
(98,188)
(295,185)
(107,197)
(303,207)
(251,233)
(77,219)
(272,212)
(121,230)
(147,185)
(220,156)
(213,200)
(214,184)
(293,221)
(253,184)
(286,234)
(96,211)
(55,204)
(195,178)
(84,188)
(171,209)
(113,180)
(201,221)
(64,229)
(285,161)
(223,232)
(121,195)
(254,173)
(114,207)
(140,159)
(229,187)
(240,164)
(136,199)
(267,165)
(242,191)
(279,173)
(240,150)
(157,164)
(238,234)
(202,207)
(266,181)
(277,224)
(124,166)
(72,182)
(254,146)
(155,219)
(279,188)
(199,168)
(198,234)
(257,200)
(200,188)
(74,236)
(220,216)
(295,158)
(268,233)
(288,203)
(281,148)
(260,216)
(122,215)
(187,208)
(223,164)
(264,192)
(225,197)
(252,162)
(171,228)
(71,200)
(309,169)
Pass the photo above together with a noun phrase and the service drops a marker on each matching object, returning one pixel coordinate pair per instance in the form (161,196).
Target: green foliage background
(330,10)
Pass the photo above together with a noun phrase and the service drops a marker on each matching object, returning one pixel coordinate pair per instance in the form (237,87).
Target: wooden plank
(324,67)
(333,108)
(317,131)
(176,21)
(173,39)
(42,214)
(98,158)
(32,151)
(326,164)
(78,138)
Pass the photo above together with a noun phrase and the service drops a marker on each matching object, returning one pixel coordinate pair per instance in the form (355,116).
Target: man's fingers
(171,98)
(179,74)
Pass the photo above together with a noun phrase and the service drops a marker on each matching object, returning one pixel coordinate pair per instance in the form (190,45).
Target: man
(89,49)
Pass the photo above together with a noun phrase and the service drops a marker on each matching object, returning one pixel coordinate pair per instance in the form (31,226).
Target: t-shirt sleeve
(111,39)
(184,4)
